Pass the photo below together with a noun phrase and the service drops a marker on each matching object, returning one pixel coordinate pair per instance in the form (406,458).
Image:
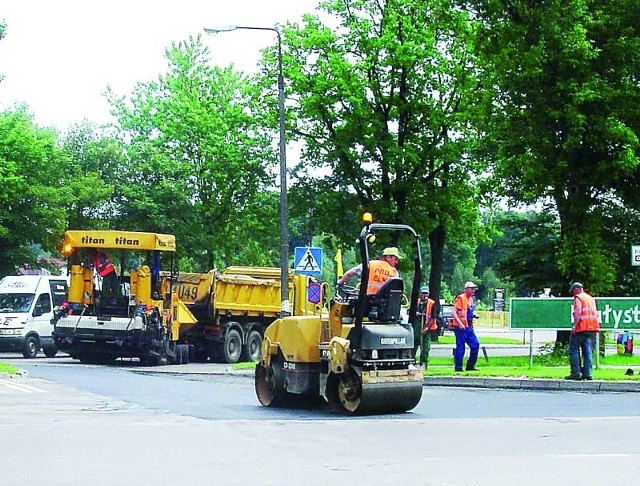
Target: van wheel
(31,347)
(51,351)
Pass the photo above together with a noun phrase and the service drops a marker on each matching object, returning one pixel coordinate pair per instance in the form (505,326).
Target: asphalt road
(74,424)
(221,396)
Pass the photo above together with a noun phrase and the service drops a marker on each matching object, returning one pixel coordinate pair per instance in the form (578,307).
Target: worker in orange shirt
(427,324)
(586,324)
(379,270)
(463,329)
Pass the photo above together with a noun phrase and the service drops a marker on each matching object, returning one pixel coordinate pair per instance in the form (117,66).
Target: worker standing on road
(585,326)
(379,270)
(427,324)
(463,330)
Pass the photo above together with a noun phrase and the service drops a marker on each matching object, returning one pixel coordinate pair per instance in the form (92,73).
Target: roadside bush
(552,354)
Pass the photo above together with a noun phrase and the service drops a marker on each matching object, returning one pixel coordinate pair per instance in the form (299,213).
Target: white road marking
(20,387)
(595,456)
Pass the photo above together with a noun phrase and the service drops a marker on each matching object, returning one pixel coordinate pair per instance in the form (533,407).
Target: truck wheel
(50,352)
(251,350)
(31,347)
(232,346)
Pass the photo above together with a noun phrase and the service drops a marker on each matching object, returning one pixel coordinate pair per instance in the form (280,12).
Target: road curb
(161,371)
(594,386)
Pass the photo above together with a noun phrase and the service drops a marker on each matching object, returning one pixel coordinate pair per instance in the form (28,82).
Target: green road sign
(556,313)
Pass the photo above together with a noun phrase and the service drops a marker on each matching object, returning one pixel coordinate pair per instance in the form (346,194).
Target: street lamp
(284,238)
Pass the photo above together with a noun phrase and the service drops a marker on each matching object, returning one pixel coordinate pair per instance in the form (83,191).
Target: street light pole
(284,236)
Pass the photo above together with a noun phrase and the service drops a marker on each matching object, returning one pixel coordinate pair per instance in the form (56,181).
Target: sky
(59,56)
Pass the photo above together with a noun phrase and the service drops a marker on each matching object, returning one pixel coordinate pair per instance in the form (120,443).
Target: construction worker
(427,324)
(106,270)
(463,330)
(379,270)
(585,326)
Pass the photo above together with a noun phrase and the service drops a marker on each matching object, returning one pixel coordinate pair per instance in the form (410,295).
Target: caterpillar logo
(393,341)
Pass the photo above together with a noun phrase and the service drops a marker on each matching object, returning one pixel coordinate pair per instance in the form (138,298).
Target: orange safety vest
(379,272)
(589,314)
(429,323)
(102,264)
(460,307)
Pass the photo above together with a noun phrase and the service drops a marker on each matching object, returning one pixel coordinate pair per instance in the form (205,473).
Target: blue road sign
(307,260)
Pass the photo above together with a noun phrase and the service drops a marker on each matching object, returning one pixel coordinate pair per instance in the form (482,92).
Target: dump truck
(139,315)
(233,308)
(360,357)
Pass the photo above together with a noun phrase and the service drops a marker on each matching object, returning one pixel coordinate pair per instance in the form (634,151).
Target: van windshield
(16,302)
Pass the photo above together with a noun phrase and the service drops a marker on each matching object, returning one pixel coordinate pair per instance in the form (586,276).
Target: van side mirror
(37,311)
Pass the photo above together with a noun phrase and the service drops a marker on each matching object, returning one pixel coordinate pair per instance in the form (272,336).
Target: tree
(92,175)
(33,195)
(3,29)
(199,161)
(564,115)
(620,231)
(525,248)
(382,105)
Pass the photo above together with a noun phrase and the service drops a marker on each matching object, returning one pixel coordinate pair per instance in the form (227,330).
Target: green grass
(450,339)
(611,367)
(244,366)
(542,372)
(7,368)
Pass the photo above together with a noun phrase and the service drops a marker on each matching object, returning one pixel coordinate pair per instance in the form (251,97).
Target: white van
(26,310)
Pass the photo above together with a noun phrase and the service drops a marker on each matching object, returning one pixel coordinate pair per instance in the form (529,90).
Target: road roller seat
(386,305)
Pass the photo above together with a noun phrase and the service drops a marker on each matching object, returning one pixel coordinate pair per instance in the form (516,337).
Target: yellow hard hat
(391,251)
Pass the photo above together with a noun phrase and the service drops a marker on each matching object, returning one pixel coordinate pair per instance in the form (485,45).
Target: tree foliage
(33,195)
(3,29)
(564,114)
(525,251)
(92,175)
(620,231)
(381,102)
(199,161)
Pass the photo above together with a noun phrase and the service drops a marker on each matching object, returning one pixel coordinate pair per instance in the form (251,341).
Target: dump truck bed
(231,293)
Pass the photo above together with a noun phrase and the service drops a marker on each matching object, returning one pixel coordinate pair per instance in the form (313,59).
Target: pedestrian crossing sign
(307,260)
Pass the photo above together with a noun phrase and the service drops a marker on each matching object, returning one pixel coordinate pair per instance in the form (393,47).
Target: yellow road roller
(360,357)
